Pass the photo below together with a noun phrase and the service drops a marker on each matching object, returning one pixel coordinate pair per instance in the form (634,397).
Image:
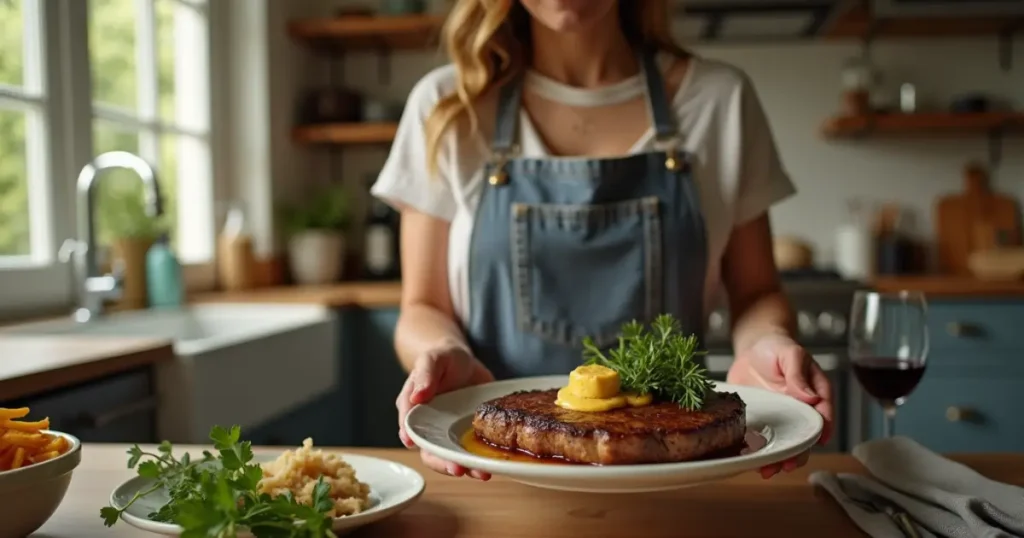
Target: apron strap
(507,116)
(510,97)
(657,102)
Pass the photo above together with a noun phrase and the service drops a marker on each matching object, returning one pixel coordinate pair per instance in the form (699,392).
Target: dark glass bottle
(380,244)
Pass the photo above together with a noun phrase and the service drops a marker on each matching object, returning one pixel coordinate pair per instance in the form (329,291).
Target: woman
(574,169)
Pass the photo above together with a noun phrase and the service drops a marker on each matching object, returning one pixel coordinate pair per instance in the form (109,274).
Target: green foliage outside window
(112,44)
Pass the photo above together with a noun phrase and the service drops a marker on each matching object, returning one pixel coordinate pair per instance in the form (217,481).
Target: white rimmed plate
(393,487)
(788,426)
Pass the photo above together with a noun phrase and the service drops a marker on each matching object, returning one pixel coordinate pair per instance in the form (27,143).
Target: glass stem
(889,420)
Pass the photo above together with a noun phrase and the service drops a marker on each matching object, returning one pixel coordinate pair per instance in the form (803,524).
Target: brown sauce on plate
(752,442)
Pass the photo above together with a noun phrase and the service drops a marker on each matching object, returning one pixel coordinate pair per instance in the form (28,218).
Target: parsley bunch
(656,360)
(217,496)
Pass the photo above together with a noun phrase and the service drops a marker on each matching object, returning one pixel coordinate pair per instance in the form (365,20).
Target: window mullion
(32,49)
(146,63)
(147,71)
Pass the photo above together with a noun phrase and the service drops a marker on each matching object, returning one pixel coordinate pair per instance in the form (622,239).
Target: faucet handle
(69,248)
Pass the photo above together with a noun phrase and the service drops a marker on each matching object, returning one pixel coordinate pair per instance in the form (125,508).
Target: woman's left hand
(779,364)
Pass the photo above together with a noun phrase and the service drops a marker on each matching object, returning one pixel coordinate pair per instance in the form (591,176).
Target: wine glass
(889,346)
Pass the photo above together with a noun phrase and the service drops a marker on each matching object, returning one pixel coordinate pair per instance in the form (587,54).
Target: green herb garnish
(658,360)
(217,496)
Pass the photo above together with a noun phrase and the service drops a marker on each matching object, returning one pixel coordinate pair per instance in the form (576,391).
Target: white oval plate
(788,425)
(393,487)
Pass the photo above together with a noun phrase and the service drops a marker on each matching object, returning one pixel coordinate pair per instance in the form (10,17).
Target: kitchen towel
(940,496)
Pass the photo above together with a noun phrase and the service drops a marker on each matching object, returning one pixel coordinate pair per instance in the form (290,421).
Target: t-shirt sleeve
(404,180)
(763,179)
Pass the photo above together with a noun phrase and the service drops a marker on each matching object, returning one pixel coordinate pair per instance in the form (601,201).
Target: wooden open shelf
(921,124)
(368,31)
(857,23)
(345,133)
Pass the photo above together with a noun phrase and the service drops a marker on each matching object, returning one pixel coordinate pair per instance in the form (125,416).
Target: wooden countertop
(747,505)
(35,364)
(343,294)
(951,286)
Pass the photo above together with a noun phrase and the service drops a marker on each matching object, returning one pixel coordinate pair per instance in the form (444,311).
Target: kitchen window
(78,78)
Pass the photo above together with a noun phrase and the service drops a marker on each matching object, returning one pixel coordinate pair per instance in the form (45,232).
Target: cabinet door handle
(98,420)
(960,330)
(960,414)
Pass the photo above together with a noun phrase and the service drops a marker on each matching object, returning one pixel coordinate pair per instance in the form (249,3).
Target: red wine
(887,378)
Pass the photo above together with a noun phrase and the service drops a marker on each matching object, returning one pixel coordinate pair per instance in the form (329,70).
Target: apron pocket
(585,270)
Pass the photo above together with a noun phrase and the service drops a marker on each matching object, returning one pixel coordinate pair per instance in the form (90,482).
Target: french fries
(23,442)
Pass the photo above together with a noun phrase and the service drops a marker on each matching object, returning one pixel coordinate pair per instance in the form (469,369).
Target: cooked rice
(298,470)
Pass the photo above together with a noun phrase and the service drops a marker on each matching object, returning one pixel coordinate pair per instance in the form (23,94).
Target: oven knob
(832,323)
(805,324)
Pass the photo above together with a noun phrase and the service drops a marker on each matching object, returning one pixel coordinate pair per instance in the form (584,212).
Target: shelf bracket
(995,147)
(868,39)
(336,71)
(383,63)
(1006,38)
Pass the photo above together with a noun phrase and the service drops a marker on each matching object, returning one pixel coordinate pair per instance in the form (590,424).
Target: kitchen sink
(242,364)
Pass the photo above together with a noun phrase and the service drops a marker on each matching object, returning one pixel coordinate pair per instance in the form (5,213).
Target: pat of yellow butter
(568,399)
(594,381)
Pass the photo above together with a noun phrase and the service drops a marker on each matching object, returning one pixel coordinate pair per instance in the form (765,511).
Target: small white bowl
(30,495)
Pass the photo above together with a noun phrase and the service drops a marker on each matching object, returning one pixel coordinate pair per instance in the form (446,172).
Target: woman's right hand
(447,367)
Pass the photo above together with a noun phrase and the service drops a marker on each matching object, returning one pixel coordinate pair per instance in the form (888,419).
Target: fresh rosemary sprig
(656,360)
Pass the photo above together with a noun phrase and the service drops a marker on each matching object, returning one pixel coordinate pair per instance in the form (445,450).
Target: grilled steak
(657,433)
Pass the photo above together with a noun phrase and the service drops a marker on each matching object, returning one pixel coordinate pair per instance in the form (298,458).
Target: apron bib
(564,248)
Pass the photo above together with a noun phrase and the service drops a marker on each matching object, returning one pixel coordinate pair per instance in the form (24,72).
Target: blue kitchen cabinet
(970,397)
(361,411)
(120,408)
(372,376)
(326,419)
(320,419)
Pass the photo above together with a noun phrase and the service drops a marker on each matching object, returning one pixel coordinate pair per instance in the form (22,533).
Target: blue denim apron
(564,248)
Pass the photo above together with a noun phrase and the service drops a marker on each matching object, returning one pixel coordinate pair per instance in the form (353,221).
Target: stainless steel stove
(822,303)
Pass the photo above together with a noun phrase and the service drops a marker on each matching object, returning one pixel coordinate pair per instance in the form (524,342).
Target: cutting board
(973,220)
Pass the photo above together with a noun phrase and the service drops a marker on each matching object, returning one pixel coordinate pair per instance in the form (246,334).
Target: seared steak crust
(530,422)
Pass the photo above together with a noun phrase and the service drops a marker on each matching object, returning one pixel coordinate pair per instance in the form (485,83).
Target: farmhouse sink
(240,364)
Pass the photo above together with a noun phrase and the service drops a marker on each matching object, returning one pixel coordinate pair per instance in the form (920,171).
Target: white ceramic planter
(316,256)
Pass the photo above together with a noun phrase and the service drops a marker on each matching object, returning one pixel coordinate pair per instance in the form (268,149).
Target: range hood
(789,20)
(892,9)
(752,20)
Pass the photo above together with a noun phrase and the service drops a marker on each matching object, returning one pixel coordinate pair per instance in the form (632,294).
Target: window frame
(65,101)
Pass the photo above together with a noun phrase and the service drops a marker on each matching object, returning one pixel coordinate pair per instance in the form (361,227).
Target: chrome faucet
(93,287)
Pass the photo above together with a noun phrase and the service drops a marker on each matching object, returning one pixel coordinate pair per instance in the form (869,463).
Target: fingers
(795,364)
(793,464)
(823,387)
(788,466)
(425,375)
(480,375)
(450,468)
(769,471)
(404,404)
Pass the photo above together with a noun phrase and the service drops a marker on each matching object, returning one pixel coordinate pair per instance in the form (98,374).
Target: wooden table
(784,506)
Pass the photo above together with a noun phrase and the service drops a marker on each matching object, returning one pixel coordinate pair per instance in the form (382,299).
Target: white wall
(800,87)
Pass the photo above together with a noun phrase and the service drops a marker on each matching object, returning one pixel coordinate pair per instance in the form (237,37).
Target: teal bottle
(164,286)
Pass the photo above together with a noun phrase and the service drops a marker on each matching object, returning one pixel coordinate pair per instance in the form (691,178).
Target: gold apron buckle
(499,176)
(672,162)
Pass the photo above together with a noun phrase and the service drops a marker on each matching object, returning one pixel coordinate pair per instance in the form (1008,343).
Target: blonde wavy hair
(489,42)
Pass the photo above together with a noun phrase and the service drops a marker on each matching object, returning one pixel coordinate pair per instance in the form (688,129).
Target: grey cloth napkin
(942,498)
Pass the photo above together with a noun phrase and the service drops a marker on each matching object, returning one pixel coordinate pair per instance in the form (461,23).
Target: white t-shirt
(736,165)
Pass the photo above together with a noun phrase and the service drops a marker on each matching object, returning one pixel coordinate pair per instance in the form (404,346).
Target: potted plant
(316,241)
(131,232)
